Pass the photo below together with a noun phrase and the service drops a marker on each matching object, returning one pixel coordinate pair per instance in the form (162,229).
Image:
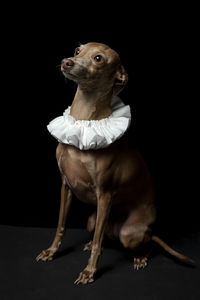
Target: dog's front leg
(66,196)
(103,209)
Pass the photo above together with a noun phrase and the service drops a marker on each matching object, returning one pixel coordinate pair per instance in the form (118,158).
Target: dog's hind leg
(66,196)
(135,234)
(90,227)
(137,239)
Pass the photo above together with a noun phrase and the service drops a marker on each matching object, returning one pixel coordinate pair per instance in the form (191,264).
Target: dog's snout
(67,63)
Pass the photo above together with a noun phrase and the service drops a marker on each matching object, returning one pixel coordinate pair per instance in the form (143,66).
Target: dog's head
(97,67)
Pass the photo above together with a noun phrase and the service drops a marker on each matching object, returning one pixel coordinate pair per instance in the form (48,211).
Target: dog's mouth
(68,74)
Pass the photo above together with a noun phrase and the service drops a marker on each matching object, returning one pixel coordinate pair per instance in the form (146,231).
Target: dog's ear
(121,79)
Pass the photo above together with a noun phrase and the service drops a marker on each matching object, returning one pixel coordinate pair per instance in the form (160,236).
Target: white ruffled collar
(93,134)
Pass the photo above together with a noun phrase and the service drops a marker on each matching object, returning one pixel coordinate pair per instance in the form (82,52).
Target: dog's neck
(91,105)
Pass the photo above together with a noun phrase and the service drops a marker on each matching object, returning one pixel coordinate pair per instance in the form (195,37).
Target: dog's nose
(67,63)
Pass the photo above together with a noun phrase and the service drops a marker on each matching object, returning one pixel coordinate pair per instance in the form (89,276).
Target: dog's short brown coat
(116,178)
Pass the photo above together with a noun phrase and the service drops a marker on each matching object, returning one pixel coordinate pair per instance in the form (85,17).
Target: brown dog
(115,176)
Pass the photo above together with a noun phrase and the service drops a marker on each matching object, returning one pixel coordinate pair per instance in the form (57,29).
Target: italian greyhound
(116,178)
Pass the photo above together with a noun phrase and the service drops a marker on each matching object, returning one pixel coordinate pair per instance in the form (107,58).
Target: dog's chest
(80,172)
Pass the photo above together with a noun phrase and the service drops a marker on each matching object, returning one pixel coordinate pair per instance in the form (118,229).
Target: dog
(114,178)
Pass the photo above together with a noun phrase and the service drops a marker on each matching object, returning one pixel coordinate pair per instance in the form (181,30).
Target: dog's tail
(171,251)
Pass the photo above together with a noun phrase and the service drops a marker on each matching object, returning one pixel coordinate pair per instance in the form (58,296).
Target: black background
(159,54)
(158,47)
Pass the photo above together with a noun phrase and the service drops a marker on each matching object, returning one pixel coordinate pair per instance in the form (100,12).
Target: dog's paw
(85,277)
(46,255)
(140,262)
(88,246)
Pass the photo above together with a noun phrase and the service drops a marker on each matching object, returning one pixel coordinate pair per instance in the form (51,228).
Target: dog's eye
(98,58)
(77,51)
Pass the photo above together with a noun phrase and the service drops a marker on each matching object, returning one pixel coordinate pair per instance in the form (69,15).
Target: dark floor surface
(24,278)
